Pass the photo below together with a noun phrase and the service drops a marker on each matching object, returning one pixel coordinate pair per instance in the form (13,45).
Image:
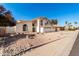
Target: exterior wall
(19,27)
(38,26)
(2,31)
(66,27)
(48,27)
(58,29)
(11,29)
(44,28)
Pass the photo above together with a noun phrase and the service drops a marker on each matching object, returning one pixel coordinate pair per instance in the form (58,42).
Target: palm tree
(66,22)
(54,21)
(75,22)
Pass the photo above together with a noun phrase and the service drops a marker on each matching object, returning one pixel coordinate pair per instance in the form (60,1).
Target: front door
(25,27)
(33,27)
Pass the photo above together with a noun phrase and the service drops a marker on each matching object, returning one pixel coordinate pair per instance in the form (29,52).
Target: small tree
(6,18)
(66,22)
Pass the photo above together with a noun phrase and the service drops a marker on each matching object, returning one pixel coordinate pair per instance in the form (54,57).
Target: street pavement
(75,48)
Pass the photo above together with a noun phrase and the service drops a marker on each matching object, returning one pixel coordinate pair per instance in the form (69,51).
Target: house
(68,27)
(58,28)
(40,24)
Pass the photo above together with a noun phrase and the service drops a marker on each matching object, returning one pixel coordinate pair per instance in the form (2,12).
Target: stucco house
(40,24)
(58,28)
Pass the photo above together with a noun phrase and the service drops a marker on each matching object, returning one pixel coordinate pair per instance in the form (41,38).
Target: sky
(60,11)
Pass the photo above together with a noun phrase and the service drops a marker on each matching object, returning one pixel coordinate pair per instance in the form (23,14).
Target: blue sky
(61,11)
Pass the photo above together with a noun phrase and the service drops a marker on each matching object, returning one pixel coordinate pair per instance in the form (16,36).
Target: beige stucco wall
(19,27)
(11,29)
(8,29)
(48,27)
(2,31)
(38,28)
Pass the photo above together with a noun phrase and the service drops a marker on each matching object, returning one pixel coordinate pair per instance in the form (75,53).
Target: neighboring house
(70,28)
(36,25)
(58,28)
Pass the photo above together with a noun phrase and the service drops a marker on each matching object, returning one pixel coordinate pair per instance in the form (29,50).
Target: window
(41,22)
(46,22)
(33,27)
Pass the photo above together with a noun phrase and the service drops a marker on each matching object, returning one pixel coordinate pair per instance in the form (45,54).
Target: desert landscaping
(60,47)
(45,44)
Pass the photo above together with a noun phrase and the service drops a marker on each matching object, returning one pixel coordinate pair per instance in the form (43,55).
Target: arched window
(25,27)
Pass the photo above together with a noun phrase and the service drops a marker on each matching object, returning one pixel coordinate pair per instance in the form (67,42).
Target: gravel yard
(60,47)
(53,43)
